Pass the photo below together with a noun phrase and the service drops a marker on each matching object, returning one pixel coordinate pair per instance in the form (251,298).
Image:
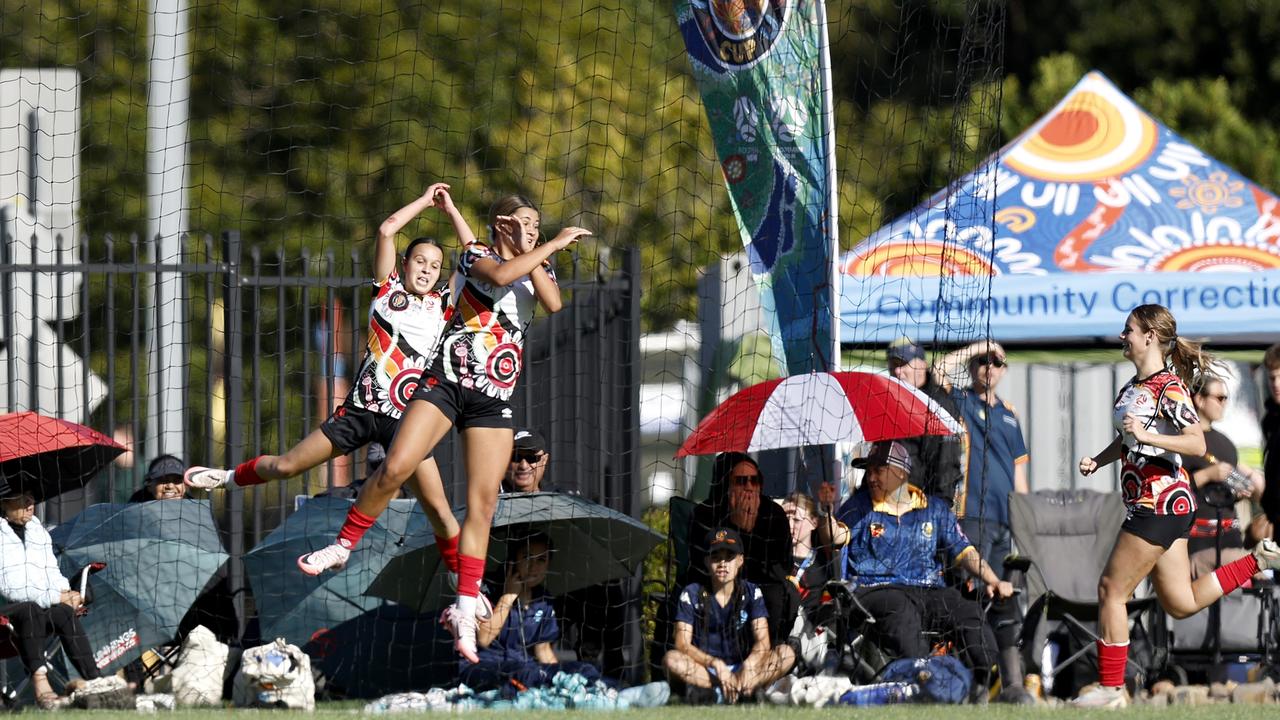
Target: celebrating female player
(405,321)
(1157,424)
(468,383)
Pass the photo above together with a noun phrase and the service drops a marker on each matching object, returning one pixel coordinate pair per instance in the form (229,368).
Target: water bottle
(886,693)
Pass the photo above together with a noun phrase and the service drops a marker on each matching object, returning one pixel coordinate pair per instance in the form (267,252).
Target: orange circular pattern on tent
(1219,258)
(917,259)
(1090,138)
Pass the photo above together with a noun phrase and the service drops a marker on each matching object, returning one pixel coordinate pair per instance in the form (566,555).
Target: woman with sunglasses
(1220,480)
(1157,425)
(737,501)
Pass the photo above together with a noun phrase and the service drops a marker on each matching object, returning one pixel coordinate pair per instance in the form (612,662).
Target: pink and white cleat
(333,557)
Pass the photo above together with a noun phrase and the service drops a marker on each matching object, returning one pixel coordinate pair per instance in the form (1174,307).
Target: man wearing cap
(935,459)
(722,651)
(996,466)
(163,481)
(529,459)
(896,536)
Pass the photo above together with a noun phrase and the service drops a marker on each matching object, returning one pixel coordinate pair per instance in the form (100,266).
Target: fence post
(233,373)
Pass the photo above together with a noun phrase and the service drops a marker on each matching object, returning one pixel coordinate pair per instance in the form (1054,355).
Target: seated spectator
(1216,516)
(722,643)
(529,458)
(37,599)
(514,644)
(163,481)
(813,549)
(736,502)
(896,533)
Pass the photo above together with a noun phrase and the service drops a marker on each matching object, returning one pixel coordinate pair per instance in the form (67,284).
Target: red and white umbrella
(818,409)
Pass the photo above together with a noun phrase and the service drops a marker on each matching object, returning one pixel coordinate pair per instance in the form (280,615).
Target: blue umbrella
(159,556)
(298,607)
(593,545)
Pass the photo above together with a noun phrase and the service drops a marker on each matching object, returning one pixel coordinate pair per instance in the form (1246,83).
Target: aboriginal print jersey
(483,342)
(403,331)
(1152,479)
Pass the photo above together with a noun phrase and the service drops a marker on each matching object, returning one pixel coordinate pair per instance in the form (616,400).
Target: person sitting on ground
(163,481)
(737,501)
(37,599)
(515,642)
(1216,516)
(896,533)
(722,647)
(529,458)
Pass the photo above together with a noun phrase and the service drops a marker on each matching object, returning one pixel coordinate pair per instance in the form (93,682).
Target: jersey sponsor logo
(877,530)
(926,529)
(399,300)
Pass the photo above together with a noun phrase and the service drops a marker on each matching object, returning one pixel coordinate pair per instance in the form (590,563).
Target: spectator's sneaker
(204,478)
(1267,554)
(333,557)
(463,629)
(1102,697)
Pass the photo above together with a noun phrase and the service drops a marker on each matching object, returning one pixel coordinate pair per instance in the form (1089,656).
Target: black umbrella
(593,545)
(159,556)
(45,456)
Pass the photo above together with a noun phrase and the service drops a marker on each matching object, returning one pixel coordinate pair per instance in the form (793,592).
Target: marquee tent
(1094,209)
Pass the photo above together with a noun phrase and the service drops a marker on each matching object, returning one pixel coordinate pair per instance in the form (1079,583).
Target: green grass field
(763,712)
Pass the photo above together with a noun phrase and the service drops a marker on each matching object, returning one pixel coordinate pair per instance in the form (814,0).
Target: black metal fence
(271,340)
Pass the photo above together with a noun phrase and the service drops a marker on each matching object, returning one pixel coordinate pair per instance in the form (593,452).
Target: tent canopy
(1093,210)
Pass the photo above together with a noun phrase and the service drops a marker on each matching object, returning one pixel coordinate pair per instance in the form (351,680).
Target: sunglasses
(992,361)
(531,458)
(745,479)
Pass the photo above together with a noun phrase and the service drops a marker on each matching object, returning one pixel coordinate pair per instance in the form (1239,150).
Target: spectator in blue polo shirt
(722,649)
(897,533)
(997,454)
(996,467)
(514,644)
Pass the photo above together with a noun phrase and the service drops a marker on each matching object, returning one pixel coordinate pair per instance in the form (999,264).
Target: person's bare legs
(682,667)
(314,450)
(1132,559)
(775,663)
(420,430)
(428,487)
(487,452)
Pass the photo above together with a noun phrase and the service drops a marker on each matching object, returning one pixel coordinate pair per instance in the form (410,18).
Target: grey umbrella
(592,545)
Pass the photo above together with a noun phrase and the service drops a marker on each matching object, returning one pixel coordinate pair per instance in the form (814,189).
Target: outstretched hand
(568,236)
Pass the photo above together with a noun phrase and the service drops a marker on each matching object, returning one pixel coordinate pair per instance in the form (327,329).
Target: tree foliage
(311,122)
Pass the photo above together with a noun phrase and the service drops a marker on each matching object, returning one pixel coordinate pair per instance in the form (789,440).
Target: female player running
(405,322)
(1157,424)
(468,383)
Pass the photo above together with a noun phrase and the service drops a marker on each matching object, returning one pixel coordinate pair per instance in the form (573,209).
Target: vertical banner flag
(762,67)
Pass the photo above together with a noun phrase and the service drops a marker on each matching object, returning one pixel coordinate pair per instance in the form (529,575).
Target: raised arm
(529,263)
(948,369)
(384,255)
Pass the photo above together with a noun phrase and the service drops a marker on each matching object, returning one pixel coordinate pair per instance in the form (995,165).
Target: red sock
(470,572)
(354,527)
(246,473)
(1236,573)
(1111,662)
(449,551)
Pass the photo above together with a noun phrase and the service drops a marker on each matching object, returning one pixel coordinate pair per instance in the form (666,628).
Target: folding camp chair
(55,659)
(679,518)
(1067,535)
